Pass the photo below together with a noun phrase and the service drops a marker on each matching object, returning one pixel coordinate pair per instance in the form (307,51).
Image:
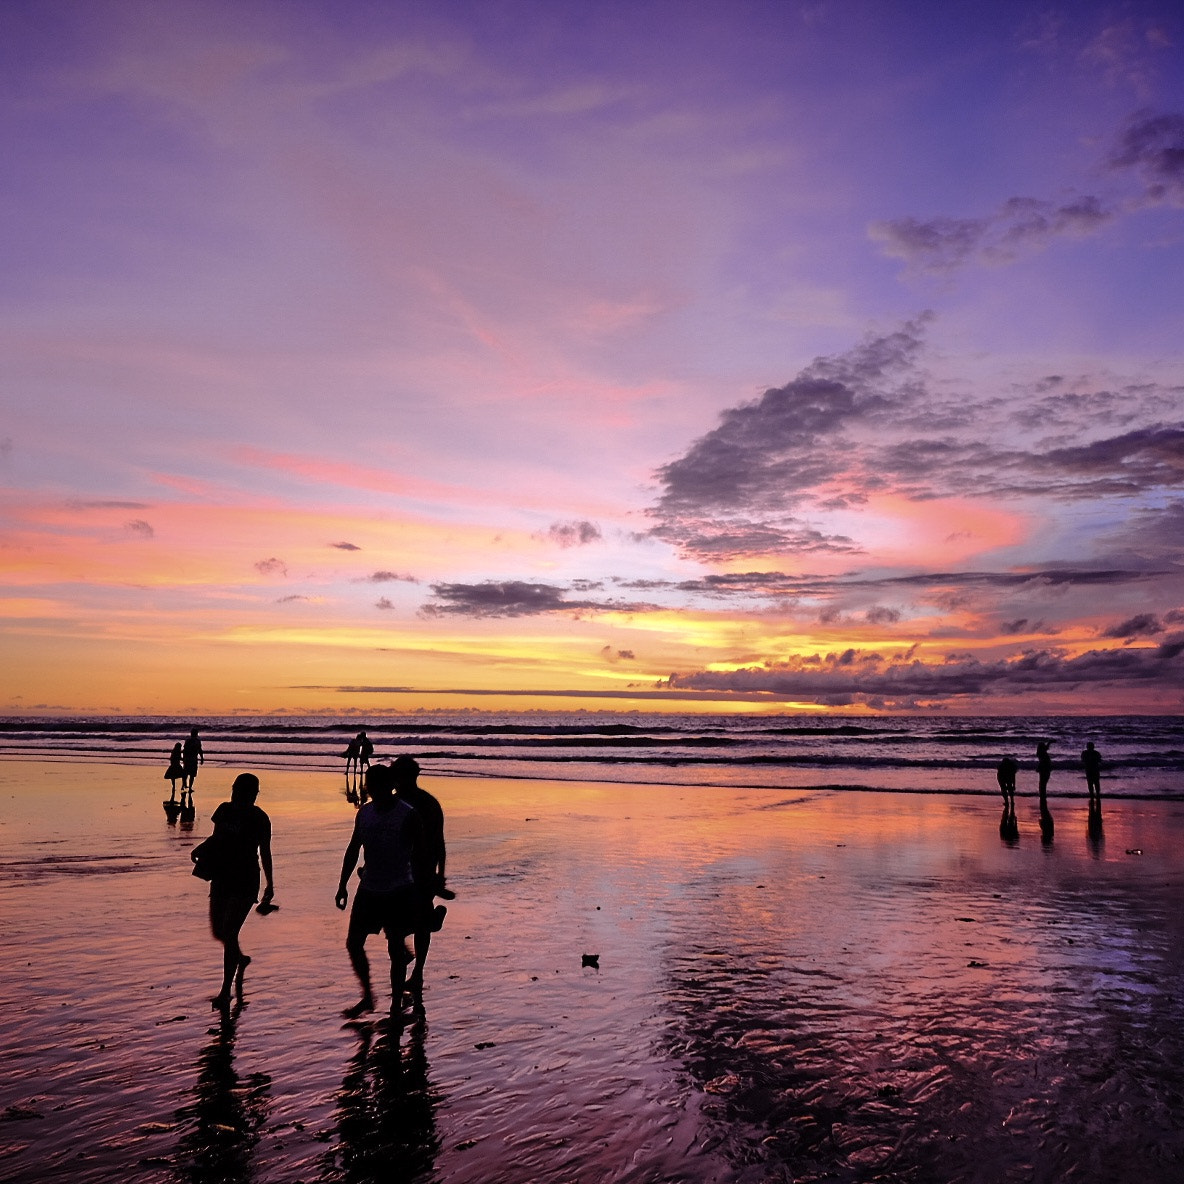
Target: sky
(745,356)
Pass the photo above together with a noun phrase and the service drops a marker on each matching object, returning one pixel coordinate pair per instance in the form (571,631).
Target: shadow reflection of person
(1044,768)
(386,1110)
(1093,826)
(1009,827)
(222,1125)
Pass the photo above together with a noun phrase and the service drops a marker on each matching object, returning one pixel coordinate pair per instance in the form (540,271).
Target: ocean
(1144,755)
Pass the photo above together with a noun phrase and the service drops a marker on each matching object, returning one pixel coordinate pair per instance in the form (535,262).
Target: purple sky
(822,354)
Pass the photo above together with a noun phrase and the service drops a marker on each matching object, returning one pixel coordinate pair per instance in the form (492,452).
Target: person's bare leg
(399,982)
(244,960)
(230,957)
(422,941)
(356,948)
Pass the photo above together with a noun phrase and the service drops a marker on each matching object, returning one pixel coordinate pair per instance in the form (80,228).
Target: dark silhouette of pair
(401,832)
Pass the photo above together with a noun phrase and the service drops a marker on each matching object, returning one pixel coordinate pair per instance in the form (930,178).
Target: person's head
(1042,746)
(380,784)
(404,772)
(193,731)
(1089,744)
(245,788)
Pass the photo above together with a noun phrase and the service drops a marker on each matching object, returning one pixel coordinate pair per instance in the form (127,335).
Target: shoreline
(1168,796)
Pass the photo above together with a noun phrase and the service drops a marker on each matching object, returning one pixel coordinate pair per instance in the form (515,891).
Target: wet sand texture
(791,986)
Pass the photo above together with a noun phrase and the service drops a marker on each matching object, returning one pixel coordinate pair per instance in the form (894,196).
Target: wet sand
(791,986)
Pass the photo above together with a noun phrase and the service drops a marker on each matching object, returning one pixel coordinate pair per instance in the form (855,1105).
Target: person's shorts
(394,913)
(229,905)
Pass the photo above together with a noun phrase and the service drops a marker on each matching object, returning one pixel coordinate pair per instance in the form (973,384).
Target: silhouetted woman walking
(175,770)
(241,841)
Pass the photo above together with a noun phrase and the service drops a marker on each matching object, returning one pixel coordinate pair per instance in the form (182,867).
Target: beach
(792,985)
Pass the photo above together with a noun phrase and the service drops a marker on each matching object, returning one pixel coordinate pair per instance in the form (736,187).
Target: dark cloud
(1148,458)
(140,528)
(1019,225)
(1150,146)
(864,424)
(779,584)
(1171,647)
(1152,537)
(879,614)
(345,546)
(1153,146)
(611,655)
(514,598)
(739,489)
(290,599)
(717,541)
(384,603)
(271,567)
(1024,625)
(388,577)
(860,676)
(573,534)
(78,504)
(1141,625)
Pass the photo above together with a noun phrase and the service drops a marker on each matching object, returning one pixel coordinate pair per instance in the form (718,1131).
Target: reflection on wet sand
(386,1109)
(222,1125)
(843,1062)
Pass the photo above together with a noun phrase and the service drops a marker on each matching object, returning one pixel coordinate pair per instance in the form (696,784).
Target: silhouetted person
(1091,759)
(191,756)
(1043,767)
(429,870)
(351,757)
(388,831)
(242,834)
(1005,775)
(176,769)
(1044,770)
(365,752)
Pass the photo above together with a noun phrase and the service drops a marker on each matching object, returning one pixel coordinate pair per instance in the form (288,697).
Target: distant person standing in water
(1091,759)
(191,756)
(365,751)
(388,831)
(176,769)
(429,870)
(1005,775)
(242,837)
(1043,767)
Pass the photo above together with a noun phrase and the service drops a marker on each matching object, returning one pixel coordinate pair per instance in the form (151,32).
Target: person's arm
(422,868)
(348,863)
(265,860)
